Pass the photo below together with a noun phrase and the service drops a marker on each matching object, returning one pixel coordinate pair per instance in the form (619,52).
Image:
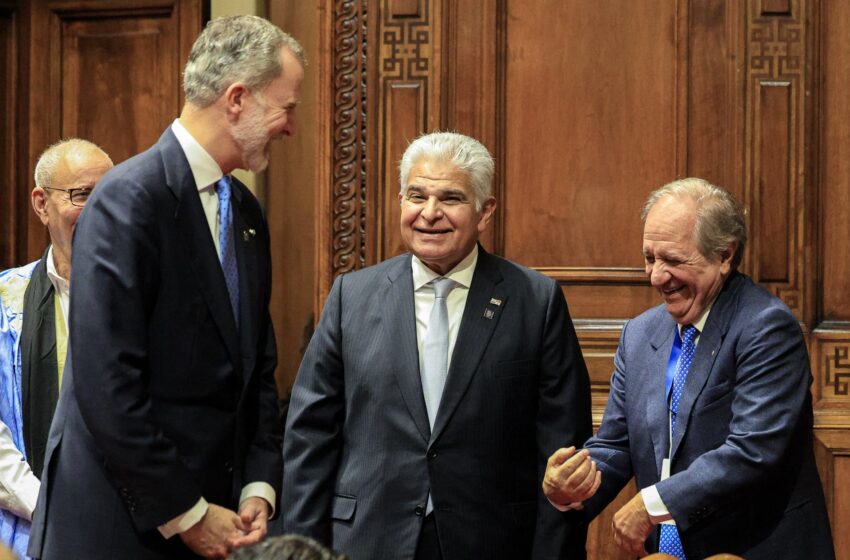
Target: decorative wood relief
(407,90)
(348,204)
(832,451)
(775,135)
(830,358)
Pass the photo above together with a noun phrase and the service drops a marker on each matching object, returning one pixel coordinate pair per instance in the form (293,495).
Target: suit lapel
(196,239)
(246,258)
(710,341)
(474,334)
(400,327)
(657,417)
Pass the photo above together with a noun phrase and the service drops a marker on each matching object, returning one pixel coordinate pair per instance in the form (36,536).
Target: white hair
(467,154)
(50,158)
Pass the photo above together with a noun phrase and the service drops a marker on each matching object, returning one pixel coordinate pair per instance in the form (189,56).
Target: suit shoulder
(368,275)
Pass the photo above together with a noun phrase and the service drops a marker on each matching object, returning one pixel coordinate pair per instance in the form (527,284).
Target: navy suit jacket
(743,477)
(164,400)
(360,455)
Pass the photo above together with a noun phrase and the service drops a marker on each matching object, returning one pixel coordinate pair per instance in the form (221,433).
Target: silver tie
(436,349)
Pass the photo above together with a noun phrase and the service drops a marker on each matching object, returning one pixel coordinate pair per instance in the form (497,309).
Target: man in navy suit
(435,386)
(709,409)
(166,441)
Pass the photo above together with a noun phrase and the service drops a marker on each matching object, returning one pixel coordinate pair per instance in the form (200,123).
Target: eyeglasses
(78,197)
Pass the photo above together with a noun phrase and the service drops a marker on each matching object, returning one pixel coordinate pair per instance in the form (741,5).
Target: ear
(38,197)
(726,257)
(487,211)
(234,97)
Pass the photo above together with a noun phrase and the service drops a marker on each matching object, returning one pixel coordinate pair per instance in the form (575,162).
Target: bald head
(65,174)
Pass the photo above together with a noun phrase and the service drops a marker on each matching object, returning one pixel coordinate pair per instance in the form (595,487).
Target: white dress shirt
(206,173)
(423,295)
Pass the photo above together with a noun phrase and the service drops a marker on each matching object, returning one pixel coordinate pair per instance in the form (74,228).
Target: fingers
(559,456)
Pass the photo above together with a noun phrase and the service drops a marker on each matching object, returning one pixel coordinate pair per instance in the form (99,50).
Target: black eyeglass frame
(72,193)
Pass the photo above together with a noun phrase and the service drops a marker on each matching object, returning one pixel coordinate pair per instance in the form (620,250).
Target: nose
(432,210)
(289,127)
(658,274)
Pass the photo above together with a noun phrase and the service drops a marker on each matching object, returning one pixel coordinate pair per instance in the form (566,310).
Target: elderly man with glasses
(33,331)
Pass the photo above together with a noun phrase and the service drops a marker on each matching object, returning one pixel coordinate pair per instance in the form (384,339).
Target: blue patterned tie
(227,254)
(669,541)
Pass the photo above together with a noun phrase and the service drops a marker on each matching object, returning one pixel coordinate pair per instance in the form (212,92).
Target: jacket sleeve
(313,435)
(563,419)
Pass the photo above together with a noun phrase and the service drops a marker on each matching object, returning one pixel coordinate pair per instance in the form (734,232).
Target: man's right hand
(210,537)
(571,477)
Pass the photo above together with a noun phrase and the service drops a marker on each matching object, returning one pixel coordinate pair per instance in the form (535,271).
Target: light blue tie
(227,254)
(669,541)
(435,366)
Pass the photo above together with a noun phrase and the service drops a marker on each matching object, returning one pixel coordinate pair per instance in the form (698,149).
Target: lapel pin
(495,301)
(488,313)
(248,233)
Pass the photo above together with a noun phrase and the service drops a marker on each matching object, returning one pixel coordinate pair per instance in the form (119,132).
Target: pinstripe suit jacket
(360,457)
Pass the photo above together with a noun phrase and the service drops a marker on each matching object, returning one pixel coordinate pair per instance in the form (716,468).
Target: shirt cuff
(262,490)
(566,507)
(655,507)
(185,521)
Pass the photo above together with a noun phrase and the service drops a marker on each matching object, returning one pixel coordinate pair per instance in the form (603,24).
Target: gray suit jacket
(360,456)
(744,478)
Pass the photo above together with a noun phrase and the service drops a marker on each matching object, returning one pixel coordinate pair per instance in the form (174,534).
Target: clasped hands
(572,477)
(221,531)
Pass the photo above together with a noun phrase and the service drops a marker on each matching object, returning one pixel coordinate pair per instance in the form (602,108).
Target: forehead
(82,167)
(286,87)
(670,223)
(429,171)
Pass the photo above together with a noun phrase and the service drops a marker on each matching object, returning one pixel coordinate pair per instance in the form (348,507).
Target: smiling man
(435,386)
(709,407)
(168,439)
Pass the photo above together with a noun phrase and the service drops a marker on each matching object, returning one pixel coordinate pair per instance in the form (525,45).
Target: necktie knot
(442,287)
(689,333)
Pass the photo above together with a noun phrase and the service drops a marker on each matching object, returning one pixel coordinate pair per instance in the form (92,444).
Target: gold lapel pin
(495,301)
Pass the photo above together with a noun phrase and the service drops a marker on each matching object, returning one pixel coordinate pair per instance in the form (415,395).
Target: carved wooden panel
(775,189)
(10,198)
(830,358)
(832,449)
(408,92)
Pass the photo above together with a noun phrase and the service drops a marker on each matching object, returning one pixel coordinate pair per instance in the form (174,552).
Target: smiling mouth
(433,231)
(671,292)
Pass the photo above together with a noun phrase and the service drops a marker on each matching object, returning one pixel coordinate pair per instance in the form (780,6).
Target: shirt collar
(59,284)
(700,323)
(204,168)
(462,273)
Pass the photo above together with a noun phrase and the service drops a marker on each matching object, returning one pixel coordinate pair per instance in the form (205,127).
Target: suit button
(419,510)
(228,467)
(432,455)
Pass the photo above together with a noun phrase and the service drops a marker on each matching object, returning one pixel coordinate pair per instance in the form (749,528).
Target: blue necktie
(227,256)
(669,541)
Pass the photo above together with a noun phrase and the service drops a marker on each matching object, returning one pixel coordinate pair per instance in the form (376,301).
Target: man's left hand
(254,513)
(632,526)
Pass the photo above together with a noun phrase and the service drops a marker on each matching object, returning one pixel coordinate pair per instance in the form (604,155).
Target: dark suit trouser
(429,541)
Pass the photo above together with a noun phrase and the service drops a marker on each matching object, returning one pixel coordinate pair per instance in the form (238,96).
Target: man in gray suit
(435,386)
(709,408)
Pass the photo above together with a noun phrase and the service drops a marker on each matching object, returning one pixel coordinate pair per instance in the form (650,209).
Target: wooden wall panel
(832,449)
(598,136)
(10,200)
(119,77)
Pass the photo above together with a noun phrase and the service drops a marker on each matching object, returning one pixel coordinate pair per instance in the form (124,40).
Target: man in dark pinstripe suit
(435,387)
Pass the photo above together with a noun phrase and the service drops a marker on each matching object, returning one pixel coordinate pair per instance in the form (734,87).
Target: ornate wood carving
(348,203)
(775,136)
(10,198)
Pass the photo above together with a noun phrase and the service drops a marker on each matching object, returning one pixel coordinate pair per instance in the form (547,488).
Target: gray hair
(233,49)
(719,221)
(287,547)
(50,158)
(467,154)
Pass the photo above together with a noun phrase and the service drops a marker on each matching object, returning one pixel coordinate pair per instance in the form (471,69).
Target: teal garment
(14,531)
